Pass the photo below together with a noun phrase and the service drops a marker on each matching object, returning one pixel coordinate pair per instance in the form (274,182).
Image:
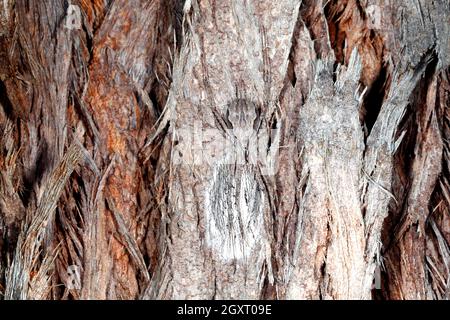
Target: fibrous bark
(229,149)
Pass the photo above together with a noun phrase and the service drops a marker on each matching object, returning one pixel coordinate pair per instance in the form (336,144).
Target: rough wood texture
(227,149)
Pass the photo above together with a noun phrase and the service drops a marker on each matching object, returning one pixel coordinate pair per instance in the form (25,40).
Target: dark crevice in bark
(405,156)
(177,7)
(290,73)
(158,103)
(311,13)
(323,277)
(333,11)
(400,224)
(36,173)
(5,102)
(373,100)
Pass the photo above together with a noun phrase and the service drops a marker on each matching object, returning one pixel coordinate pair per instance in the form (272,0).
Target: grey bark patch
(234,208)
(234,212)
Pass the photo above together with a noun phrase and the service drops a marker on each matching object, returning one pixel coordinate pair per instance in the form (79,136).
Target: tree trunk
(203,149)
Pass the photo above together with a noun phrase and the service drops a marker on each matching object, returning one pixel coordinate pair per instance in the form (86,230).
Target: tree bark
(229,149)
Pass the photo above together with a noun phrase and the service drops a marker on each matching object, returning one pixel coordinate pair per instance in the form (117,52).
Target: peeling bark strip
(224,149)
(20,284)
(333,142)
